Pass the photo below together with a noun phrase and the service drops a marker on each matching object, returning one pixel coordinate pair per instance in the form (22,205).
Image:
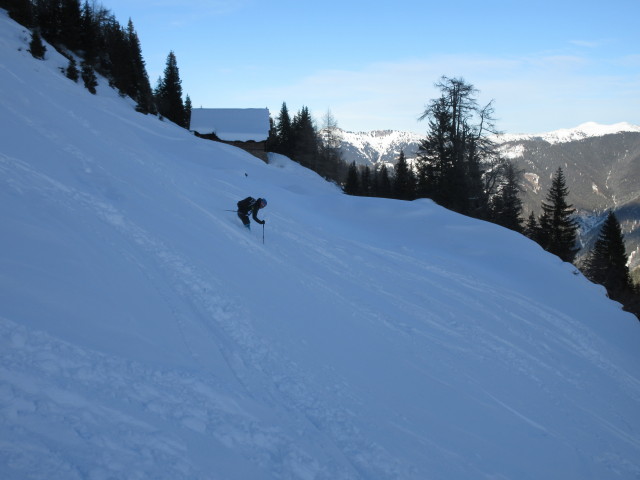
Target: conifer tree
(366,182)
(70,24)
(305,140)
(352,183)
(506,206)
(383,183)
(452,158)
(169,93)
(48,20)
(36,47)
(90,34)
(404,180)
(20,10)
(532,229)
(89,77)
(187,112)
(140,88)
(558,229)
(72,72)
(606,264)
(331,162)
(284,130)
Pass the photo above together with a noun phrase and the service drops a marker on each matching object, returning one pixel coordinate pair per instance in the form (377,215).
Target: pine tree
(305,140)
(187,112)
(70,24)
(169,93)
(20,10)
(331,163)
(72,72)
(89,77)
(506,207)
(383,184)
(48,19)
(532,229)
(36,47)
(284,130)
(352,183)
(558,230)
(606,264)
(404,181)
(141,88)
(451,160)
(366,182)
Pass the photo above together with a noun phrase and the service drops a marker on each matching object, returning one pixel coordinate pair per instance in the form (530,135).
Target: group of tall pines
(299,139)
(91,32)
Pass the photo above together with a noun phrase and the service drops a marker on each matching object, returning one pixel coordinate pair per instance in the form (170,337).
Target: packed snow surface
(145,334)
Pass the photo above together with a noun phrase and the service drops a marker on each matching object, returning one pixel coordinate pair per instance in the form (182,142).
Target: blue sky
(546,65)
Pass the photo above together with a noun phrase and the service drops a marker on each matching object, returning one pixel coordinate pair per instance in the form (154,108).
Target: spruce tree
(169,93)
(404,180)
(506,206)
(72,72)
(331,163)
(305,140)
(352,182)
(452,158)
(70,24)
(383,184)
(366,182)
(141,88)
(89,77)
(187,112)
(284,143)
(532,229)
(36,47)
(20,10)
(606,264)
(558,229)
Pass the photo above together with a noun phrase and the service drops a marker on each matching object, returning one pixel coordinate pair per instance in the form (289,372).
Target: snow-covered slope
(144,334)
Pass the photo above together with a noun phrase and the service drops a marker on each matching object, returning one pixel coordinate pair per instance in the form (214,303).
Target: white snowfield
(145,334)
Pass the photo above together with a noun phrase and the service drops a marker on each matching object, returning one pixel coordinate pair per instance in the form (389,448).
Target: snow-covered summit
(585,130)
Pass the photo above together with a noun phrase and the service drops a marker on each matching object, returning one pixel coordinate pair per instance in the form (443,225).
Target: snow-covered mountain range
(581,132)
(146,334)
(370,148)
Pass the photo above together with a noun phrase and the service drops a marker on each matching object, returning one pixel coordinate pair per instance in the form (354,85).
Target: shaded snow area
(145,334)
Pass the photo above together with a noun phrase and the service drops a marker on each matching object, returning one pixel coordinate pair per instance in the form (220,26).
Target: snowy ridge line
(581,132)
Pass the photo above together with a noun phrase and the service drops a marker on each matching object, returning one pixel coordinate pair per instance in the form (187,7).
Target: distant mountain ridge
(601,164)
(378,146)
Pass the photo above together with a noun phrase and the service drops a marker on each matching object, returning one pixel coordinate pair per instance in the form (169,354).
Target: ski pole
(263,233)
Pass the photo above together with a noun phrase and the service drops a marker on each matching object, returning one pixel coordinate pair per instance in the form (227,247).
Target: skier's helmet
(263,202)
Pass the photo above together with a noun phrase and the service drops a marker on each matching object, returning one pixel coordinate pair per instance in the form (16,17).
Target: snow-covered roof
(232,124)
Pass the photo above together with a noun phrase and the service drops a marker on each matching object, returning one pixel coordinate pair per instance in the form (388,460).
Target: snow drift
(144,334)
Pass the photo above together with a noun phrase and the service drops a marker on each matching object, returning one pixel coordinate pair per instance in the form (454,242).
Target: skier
(250,205)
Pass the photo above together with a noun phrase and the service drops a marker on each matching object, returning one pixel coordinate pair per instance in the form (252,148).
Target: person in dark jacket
(250,205)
